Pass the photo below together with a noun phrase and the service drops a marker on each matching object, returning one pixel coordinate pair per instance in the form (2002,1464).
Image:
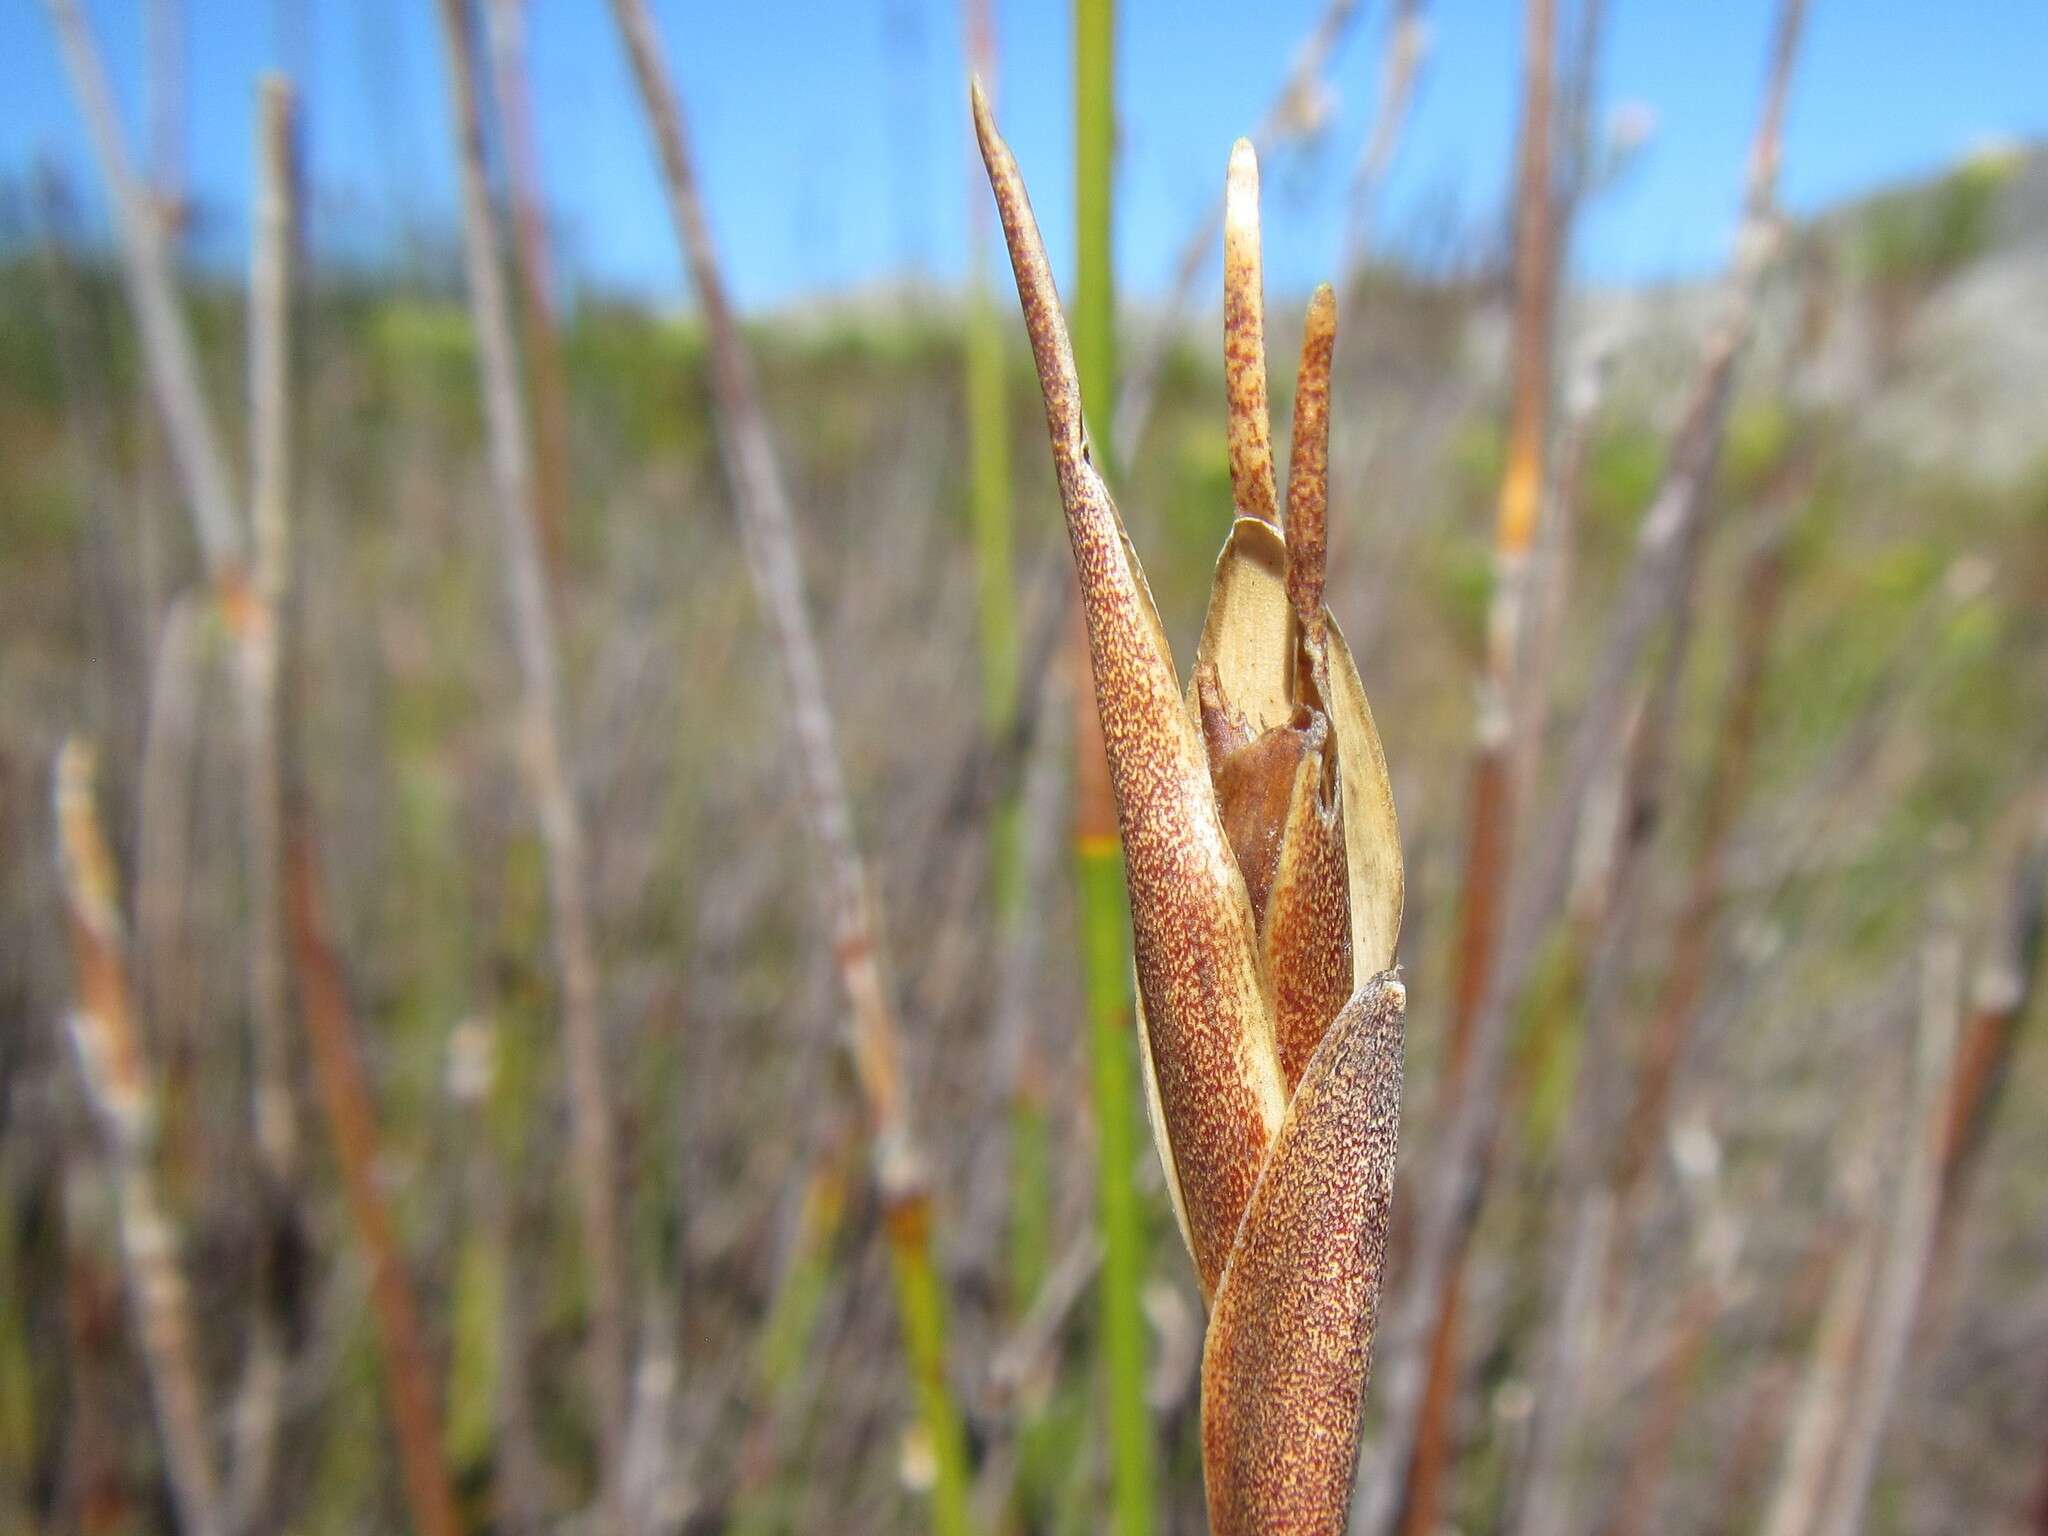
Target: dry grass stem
(116,1078)
(332,1029)
(768,537)
(258,625)
(1490,830)
(594,1159)
(1668,529)
(1913,1198)
(145,267)
(506,27)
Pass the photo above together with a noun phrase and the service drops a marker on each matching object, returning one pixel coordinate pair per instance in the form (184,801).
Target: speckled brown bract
(1264,868)
(1290,1339)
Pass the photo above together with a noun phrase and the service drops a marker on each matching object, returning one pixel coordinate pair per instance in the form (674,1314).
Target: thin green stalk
(1104,923)
(988,489)
(1094,316)
(921,1307)
(988,432)
(1107,975)
(1030,1195)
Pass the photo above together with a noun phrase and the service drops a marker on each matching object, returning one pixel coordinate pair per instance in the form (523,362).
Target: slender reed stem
(1824,1394)
(1451,1205)
(768,536)
(988,426)
(2004,988)
(1902,1275)
(332,1029)
(1693,935)
(595,1161)
(110,1061)
(167,348)
(1103,914)
(1490,835)
(542,334)
(206,485)
(258,626)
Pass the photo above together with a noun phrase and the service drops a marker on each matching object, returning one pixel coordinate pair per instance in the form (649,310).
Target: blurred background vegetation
(1885,463)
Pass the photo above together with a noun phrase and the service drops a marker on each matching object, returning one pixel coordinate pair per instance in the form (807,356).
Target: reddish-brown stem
(1490,829)
(351,1118)
(1450,1207)
(1694,933)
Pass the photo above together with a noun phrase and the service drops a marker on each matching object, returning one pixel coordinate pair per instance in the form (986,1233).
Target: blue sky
(833,136)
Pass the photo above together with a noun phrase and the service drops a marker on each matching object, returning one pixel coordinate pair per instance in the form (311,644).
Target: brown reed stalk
(116,1078)
(1296,110)
(768,537)
(1490,835)
(2000,996)
(258,626)
(1552,561)
(94,1493)
(1823,1397)
(540,331)
(1587,1201)
(242,601)
(1914,1199)
(1540,1505)
(206,485)
(1635,1501)
(1693,935)
(1450,1209)
(594,1160)
(333,1032)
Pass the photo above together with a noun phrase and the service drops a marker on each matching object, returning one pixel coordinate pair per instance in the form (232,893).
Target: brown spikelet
(1264,868)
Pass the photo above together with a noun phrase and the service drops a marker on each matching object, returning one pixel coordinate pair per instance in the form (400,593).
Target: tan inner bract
(1254,774)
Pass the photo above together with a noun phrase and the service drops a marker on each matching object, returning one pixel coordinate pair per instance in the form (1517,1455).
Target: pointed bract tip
(1322,307)
(984,119)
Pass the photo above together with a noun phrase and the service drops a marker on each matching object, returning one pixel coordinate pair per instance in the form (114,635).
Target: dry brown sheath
(1264,869)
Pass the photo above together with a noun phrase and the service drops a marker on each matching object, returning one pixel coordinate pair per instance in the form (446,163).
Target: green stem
(1104,916)
(988,430)
(921,1307)
(1107,970)
(1094,316)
